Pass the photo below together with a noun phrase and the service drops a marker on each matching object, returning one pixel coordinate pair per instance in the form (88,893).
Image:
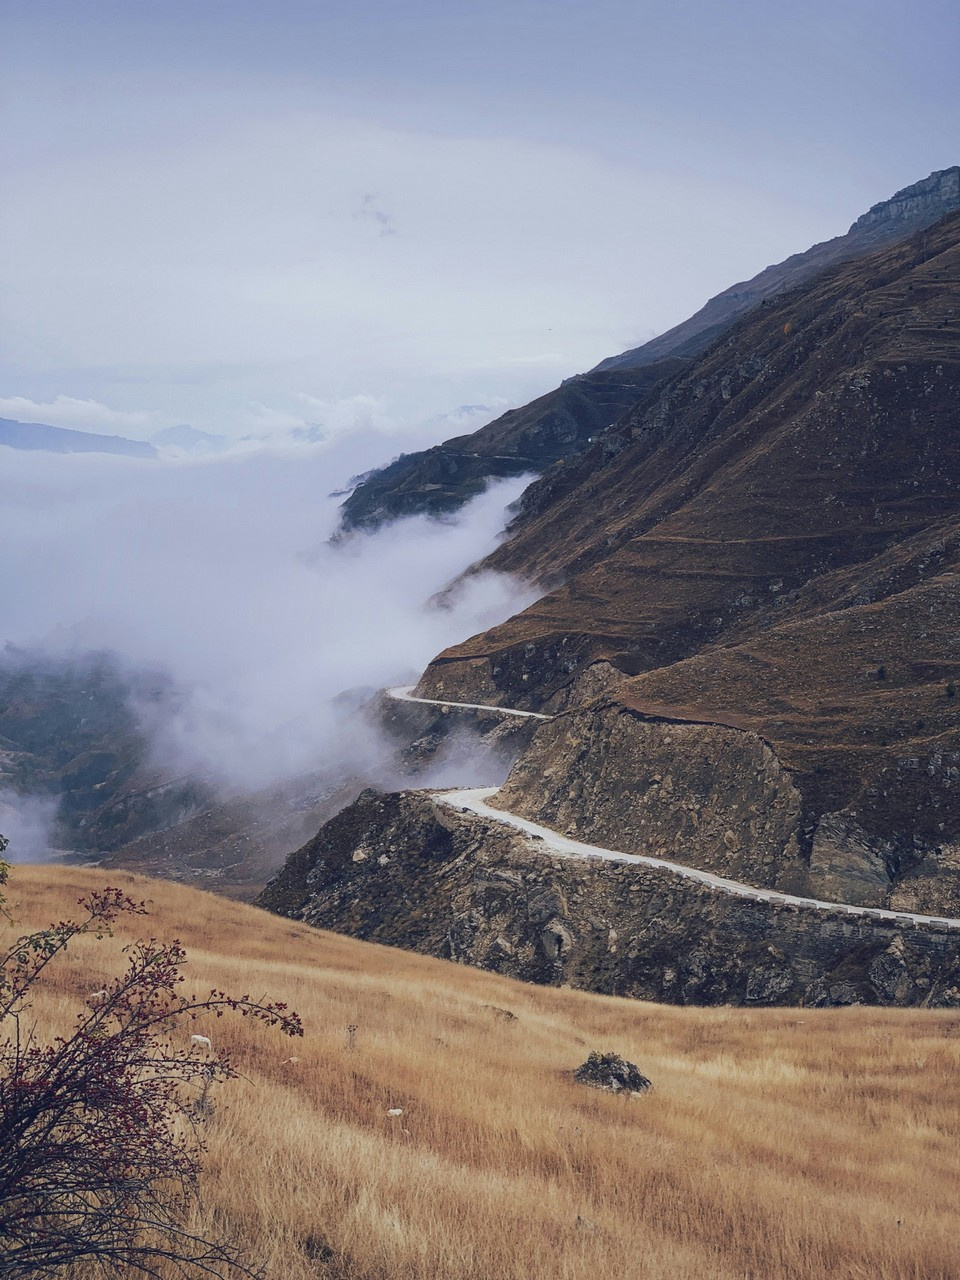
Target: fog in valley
(217,573)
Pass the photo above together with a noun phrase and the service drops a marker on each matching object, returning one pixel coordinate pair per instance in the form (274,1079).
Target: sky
(253,217)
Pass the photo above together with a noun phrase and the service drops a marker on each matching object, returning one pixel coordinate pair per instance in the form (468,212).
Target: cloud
(323,418)
(28,823)
(360,412)
(219,571)
(252,245)
(368,209)
(545,360)
(80,415)
(314,421)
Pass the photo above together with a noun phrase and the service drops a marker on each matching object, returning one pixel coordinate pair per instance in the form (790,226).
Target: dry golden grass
(775,1143)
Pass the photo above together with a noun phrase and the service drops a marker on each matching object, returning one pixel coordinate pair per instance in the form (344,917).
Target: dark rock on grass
(610,1071)
(317,1249)
(505,1015)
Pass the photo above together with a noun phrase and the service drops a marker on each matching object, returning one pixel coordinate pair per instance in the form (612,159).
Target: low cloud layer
(373,424)
(80,415)
(28,824)
(220,572)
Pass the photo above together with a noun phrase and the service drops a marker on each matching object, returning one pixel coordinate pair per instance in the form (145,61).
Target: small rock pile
(610,1071)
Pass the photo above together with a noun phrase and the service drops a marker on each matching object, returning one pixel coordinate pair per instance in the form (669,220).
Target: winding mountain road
(474,800)
(405,694)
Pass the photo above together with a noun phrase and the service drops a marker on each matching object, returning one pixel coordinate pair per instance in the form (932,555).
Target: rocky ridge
(562,424)
(907,211)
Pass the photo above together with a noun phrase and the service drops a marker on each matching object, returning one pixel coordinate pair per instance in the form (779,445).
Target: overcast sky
(247,215)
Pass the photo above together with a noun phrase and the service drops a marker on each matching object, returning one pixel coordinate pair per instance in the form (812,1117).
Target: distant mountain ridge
(915,207)
(561,424)
(38,436)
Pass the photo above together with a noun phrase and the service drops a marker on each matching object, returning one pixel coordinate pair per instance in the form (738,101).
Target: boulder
(610,1071)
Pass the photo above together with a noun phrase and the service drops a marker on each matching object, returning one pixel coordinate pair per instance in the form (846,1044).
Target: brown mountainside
(750,647)
(558,425)
(820,434)
(561,424)
(766,552)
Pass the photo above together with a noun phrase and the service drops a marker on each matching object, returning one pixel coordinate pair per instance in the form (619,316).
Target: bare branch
(101,1131)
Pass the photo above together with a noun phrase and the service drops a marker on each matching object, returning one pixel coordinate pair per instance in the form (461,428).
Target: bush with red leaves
(101,1129)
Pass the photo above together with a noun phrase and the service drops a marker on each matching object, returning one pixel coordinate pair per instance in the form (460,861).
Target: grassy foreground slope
(774,1144)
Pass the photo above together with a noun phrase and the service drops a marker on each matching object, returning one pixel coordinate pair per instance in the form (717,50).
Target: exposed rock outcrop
(703,795)
(610,1071)
(403,870)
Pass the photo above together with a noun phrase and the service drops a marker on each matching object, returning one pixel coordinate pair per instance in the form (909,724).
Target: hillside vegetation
(775,1143)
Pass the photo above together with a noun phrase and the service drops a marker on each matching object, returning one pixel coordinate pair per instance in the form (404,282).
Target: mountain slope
(561,424)
(767,551)
(558,425)
(37,436)
(69,736)
(917,206)
(749,647)
(819,434)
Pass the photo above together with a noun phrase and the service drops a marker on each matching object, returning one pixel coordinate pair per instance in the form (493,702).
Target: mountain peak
(934,195)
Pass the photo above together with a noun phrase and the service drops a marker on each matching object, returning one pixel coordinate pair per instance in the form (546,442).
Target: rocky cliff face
(920,204)
(704,795)
(875,829)
(405,871)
